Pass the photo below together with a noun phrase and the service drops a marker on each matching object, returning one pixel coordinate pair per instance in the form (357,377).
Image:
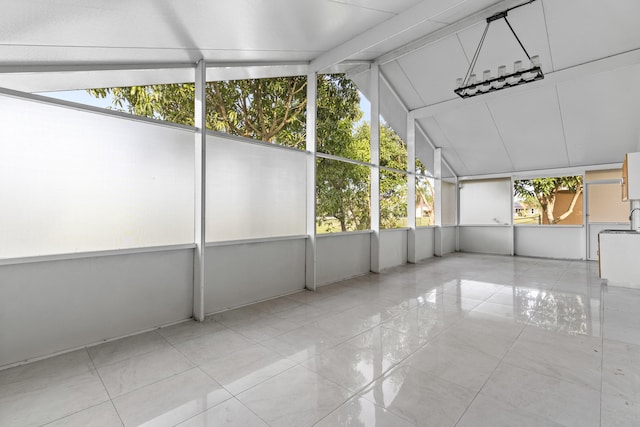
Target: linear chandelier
(470,86)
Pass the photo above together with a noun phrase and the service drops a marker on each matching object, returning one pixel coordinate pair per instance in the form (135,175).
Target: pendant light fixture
(471,86)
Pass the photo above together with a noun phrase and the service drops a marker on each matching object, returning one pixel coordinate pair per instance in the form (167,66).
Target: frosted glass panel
(448,203)
(254,190)
(76,181)
(485,202)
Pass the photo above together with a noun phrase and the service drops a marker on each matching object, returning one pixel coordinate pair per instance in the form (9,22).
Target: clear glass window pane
(342,196)
(425,196)
(393,199)
(550,201)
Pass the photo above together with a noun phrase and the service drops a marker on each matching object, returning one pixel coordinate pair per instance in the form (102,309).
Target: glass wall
(254,190)
(74,181)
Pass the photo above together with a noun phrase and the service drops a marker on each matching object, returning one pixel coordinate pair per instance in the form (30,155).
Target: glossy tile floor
(465,340)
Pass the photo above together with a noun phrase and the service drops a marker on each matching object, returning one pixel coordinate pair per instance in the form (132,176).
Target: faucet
(632,211)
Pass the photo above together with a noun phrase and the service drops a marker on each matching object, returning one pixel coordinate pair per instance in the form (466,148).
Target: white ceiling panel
(401,84)
(601,116)
(395,6)
(585,30)
(238,26)
(433,69)
(462,10)
(501,47)
(531,128)
(473,134)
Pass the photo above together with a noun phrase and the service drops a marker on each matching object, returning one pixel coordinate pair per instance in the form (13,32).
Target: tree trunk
(569,211)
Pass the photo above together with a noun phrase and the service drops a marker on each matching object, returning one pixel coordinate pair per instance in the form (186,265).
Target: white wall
(238,274)
(550,241)
(52,306)
(340,256)
(486,239)
(393,247)
(425,242)
(445,240)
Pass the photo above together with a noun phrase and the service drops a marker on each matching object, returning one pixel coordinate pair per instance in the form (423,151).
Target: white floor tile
(29,402)
(226,414)
(103,415)
(560,401)
(170,401)
(360,360)
(139,371)
(115,351)
(362,413)
(422,399)
(297,397)
(245,368)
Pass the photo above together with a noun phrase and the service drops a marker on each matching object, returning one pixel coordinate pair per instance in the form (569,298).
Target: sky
(81,97)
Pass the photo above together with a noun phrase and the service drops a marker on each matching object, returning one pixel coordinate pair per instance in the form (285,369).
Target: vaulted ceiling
(585,112)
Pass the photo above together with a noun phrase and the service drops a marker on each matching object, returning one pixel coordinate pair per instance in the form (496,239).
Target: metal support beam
(374,100)
(437,203)
(310,263)
(411,190)
(200,115)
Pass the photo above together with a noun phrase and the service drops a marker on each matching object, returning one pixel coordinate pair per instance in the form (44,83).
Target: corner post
(310,260)
(200,115)
(374,92)
(411,190)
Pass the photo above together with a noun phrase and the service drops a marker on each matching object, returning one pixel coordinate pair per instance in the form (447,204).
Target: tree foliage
(545,192)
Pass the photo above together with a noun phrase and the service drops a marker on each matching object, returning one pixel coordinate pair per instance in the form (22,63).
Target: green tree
(270,110)
(545,192)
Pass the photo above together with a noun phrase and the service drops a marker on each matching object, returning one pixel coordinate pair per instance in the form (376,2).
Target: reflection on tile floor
(467,340)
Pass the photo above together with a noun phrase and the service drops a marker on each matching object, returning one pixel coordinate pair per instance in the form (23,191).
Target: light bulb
(458,83)
(499,84)
(535,61)
(472,79)
(517,66)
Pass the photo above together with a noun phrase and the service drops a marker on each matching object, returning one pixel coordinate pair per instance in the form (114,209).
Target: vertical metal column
(374,93)
(200,115)
(437,204)
(310,262)
(411,190)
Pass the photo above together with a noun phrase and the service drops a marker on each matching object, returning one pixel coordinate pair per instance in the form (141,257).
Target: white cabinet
(619,250)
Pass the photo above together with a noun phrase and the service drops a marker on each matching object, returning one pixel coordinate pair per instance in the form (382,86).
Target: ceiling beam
(422,12)
(620,60)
